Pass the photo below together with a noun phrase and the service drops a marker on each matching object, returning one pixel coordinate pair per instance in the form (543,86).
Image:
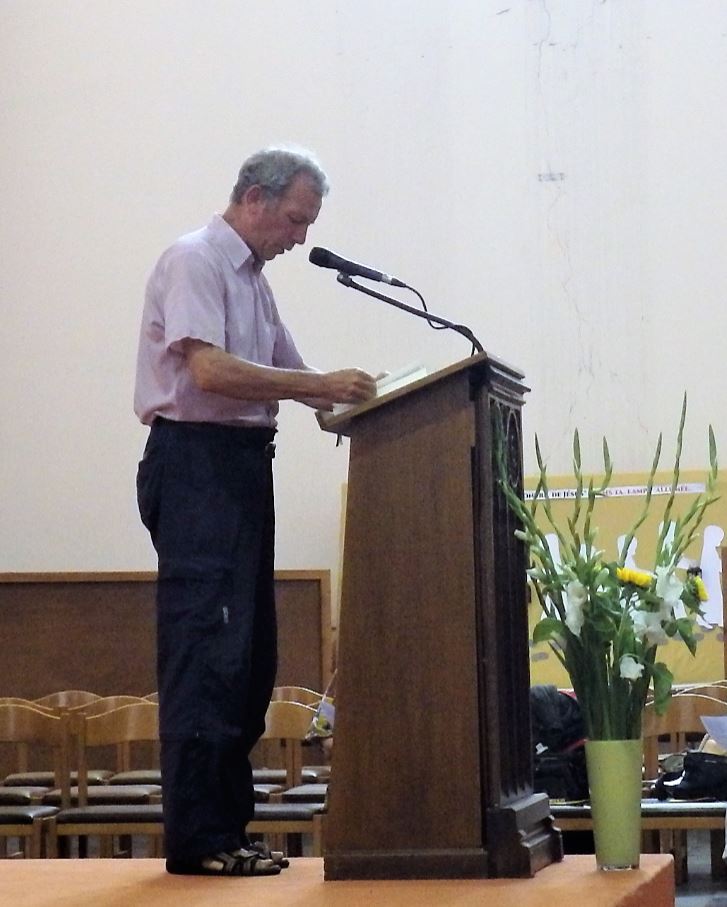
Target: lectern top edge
(337,424)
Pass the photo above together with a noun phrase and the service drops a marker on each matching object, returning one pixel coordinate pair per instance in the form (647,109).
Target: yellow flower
(701,589)
(635,577)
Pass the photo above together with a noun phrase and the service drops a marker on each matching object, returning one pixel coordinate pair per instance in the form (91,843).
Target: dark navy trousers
(205,494)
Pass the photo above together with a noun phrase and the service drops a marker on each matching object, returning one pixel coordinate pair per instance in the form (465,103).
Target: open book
(386,385)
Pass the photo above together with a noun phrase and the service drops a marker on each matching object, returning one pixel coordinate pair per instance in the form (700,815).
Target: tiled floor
(700,890)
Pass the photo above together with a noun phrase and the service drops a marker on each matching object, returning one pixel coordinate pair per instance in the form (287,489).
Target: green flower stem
(612,705)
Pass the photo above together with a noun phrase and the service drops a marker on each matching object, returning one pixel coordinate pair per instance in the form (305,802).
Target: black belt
(249,436)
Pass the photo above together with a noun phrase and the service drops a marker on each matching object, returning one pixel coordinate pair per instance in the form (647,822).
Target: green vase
(614,782)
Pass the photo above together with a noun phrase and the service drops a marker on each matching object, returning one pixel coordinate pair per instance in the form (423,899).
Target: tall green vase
(614,781)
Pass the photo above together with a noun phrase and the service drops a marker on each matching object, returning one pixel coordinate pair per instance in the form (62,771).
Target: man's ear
(255,195)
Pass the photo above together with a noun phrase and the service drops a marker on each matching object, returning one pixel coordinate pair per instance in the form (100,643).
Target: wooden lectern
(432,764)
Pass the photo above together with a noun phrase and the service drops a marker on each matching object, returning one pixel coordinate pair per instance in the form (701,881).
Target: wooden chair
(286,726)
(25,727)
(112,811)
(28,777)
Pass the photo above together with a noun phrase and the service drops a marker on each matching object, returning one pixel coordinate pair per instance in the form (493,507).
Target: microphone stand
(462,329)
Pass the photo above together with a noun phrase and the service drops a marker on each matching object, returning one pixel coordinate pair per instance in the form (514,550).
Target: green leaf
(662,678)
(548,628)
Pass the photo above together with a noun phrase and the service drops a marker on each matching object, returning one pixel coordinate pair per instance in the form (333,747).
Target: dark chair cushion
(269,776)
(262,791)
(24,815)
(316,774)
(138,776)
(19,796)
(109,793)
(306,793)
(46,779)
(111,813)
(291,811)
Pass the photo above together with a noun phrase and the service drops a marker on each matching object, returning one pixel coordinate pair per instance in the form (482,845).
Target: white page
(716,728)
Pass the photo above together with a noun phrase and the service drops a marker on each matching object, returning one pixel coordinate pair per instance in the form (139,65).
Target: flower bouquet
(605,622)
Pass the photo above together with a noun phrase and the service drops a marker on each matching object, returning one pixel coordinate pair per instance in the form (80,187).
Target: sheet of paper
(716,726)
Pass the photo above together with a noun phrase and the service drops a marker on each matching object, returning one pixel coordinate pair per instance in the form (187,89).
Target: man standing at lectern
(214,360)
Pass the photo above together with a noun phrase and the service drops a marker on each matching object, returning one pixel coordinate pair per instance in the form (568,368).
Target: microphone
(325,259)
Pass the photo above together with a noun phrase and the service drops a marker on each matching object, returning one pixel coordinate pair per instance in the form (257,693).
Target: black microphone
(325,259)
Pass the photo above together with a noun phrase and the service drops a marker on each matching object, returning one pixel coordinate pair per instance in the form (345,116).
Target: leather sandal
(277,856)
(236,863)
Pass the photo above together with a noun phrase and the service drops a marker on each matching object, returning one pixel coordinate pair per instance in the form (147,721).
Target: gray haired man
(214,360)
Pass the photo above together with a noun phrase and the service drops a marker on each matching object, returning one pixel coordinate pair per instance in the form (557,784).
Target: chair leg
(318,829)
(716,849)
(51,840)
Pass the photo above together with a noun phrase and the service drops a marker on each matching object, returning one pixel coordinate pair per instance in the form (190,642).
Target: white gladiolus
(576,595)
(647,626)
(630,668)
(668,587)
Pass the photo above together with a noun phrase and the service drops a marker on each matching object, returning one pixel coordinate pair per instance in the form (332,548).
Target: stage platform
(144,883)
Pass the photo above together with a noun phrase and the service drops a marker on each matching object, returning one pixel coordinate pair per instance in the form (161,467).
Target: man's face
(278,224)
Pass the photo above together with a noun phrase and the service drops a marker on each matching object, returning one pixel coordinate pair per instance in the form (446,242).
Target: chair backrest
(25,727)
(716,689)
(67,699)
(29,703)
(682,717)
(106,704)
(135,723)
(288,723)
(296,694)
(152,697)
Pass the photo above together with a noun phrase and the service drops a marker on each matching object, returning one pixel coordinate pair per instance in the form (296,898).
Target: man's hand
(349,385)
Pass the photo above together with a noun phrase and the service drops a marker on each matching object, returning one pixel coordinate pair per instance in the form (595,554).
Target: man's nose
(300,234)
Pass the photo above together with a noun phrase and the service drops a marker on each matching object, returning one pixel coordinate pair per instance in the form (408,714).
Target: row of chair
(50,807)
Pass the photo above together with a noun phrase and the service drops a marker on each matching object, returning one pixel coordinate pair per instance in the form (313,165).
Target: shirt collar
(233,245)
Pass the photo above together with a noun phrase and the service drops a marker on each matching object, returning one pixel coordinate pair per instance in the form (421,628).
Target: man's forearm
(219,372)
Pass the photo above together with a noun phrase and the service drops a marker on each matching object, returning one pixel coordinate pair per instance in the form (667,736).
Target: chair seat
(24,815)
(269,776)
(286,811)
(19,796)
(118,813)
(109,794)
(316,774)
(262,791)
(46,779)
(138,776)
(312,774)
(306,793)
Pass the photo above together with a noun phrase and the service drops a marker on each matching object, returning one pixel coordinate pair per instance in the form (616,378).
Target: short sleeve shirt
(207,286)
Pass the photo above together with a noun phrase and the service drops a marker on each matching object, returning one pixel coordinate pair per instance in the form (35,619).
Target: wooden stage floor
(141,882)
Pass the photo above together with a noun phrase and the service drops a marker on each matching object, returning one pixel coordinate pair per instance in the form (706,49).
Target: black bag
(703,777)
(562,776)
(559,757)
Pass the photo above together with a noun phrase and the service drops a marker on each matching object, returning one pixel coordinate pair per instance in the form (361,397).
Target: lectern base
(387,864)
(524,841)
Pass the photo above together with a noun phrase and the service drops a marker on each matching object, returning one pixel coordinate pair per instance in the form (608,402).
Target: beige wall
(551,174)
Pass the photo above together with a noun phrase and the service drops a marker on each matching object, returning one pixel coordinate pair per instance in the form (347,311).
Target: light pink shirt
(207,286)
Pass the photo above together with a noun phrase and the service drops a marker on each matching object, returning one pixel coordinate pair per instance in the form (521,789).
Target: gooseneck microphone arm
(434,320)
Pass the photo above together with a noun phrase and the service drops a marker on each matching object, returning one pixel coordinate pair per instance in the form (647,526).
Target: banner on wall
(614,515)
